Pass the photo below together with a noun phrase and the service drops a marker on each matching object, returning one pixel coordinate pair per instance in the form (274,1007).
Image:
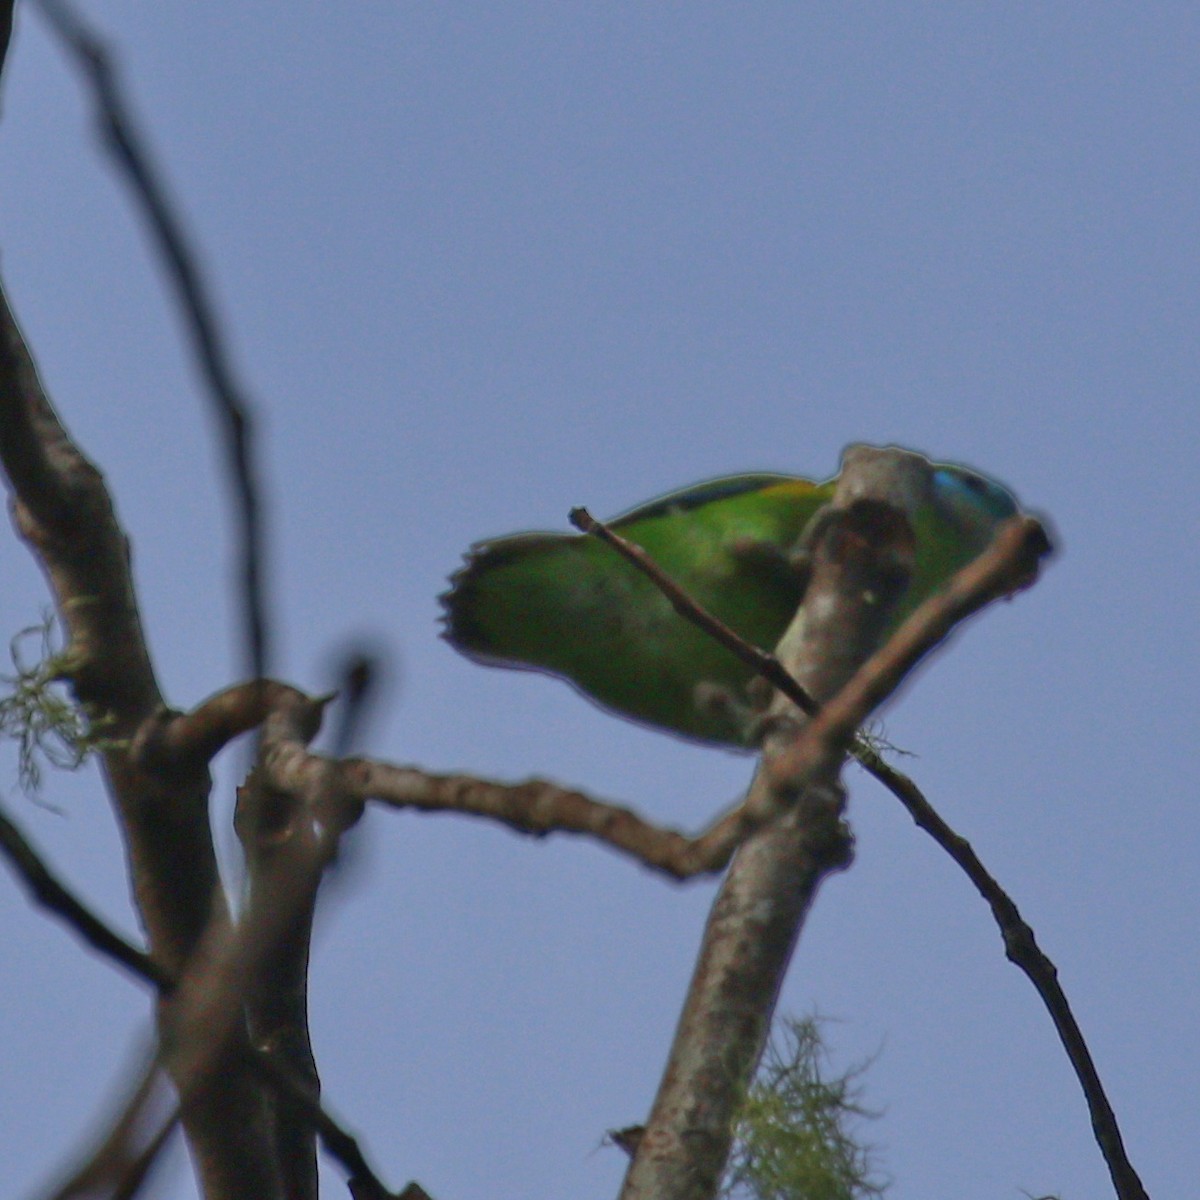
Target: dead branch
(120,135)
(1010,564)
(861,565)
(125,1152)
(268,821)
(1021,948)
(62,510)
(45,887)
(539,807)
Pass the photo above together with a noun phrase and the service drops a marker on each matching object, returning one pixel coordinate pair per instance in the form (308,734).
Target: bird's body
(571,606)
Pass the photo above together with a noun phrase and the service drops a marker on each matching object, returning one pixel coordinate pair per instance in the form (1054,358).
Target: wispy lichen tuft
(795,1135)
(37,713)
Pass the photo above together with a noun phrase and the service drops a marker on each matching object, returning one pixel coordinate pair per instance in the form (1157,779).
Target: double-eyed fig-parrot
(571,606)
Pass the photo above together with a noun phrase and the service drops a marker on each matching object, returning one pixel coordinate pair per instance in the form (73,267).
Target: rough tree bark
(861,566)
(61,508)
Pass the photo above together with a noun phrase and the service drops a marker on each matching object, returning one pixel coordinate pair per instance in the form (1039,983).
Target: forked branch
(1009,564)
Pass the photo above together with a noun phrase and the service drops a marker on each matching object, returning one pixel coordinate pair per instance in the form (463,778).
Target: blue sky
(481,263)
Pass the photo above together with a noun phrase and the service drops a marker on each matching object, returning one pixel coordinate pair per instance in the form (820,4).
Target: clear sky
(483,262)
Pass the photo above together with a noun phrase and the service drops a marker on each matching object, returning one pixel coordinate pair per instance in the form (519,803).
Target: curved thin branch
(122,138)
(1021,948)
(179,742)
(45,887)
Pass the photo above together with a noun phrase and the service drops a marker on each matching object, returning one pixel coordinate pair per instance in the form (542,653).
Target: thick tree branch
(63,511)
(861,565)
(164,809)
(61,508)
(190,741)
(294,836)
(539,807)
(269,821)
(204,1022)
(1006,566)
(1009,564)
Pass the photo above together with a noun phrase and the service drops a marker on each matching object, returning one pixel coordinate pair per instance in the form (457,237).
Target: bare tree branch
(539,807)
(263,961)
(269,821)
(1009,564)
(125,1153)
(192,740)
(536,807)
(63,511)
(292,835)
(861,565)
(120,135)
(1021,948)
(118,1158)
(46,889)
(61,508)
(189,859)
(51,480)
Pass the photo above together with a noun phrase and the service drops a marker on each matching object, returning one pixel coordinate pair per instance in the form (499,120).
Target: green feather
(571,606)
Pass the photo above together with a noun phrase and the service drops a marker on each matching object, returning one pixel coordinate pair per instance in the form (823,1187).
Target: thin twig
(127,146)
(46,889)
(1021,948)
(759,661)
(120,1162)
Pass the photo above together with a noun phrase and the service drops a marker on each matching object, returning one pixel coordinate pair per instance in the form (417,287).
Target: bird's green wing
(571,606)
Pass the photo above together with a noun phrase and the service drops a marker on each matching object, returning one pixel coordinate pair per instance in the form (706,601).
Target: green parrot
(571,606)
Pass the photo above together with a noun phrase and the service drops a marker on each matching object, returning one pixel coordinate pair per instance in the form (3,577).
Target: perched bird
(571,606)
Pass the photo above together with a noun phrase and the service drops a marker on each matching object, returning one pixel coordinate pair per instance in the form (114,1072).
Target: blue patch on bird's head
(974,502)
(958,485)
